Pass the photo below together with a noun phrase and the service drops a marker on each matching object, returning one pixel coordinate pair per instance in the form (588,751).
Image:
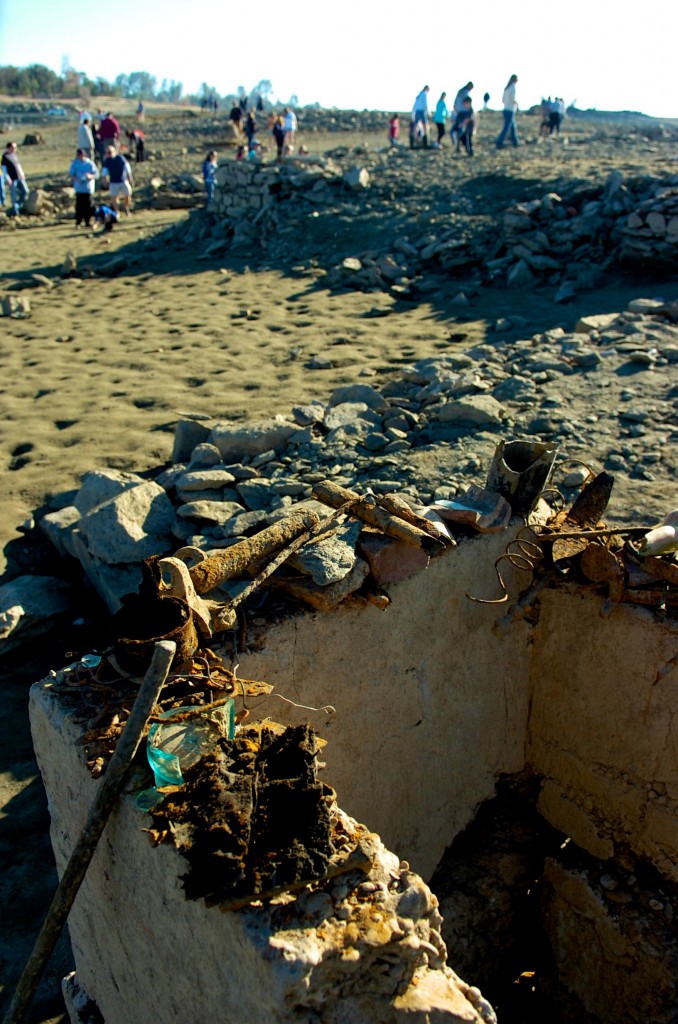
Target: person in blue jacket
(440,116)
(209,170)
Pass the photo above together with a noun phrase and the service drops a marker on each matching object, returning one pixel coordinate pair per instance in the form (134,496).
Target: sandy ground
(102,368)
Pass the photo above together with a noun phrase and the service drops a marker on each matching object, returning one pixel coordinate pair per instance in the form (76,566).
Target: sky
(376,54)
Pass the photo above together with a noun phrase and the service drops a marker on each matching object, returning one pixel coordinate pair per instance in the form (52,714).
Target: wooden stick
(100,811)
(225,565)
(362,508)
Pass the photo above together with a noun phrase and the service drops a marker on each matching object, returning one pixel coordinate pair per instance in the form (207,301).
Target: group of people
(116,176)
(282,127)
(552,115)
(95,139)
(99,157)
(462,119)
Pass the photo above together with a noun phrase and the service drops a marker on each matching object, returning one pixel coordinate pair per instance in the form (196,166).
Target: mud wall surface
(431,704)
(439,695)
(603,730)
(364,946)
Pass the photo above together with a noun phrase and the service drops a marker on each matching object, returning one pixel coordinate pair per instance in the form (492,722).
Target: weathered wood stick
(362,508)
(82,854)
(225,565)
(397,507)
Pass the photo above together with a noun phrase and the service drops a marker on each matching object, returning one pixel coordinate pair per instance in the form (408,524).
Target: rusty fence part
(367,510)
(226,565)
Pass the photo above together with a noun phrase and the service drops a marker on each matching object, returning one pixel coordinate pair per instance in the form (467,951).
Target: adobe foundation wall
(603,726)
(431,704)
(364,948)
(434,698)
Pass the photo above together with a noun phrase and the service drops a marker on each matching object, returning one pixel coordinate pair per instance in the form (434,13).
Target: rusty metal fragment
(397,507)
(227,564)
(584,514)
(146,618)
(601,565)
(660,568)
(366,509)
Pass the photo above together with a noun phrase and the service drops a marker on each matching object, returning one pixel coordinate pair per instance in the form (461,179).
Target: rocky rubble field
(400,311)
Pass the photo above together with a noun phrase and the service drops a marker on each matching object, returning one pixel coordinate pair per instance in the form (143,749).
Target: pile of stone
(562,239)
(425,436)
(252,198)
(47,204)
(183,192)
(244,185)
(566,239)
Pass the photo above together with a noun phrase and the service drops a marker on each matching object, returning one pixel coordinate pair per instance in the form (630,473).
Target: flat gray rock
(256,494)
(330,558)
(218,512)
(131,526)
(474,410)
(359,393)
(237,442)
(101,485)
(202,479)
(29,606)
(58,527)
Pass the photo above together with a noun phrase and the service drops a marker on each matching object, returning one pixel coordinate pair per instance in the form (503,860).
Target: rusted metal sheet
(584,514)
(601,565)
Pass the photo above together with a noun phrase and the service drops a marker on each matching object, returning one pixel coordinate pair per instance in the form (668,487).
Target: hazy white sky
(376,54)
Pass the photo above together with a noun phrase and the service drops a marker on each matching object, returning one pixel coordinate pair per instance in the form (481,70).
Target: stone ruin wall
(436,698)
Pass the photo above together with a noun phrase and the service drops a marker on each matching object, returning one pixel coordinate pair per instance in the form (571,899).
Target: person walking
(466,123)
(83,173)
(137,138)
(459,111)
(278,133)
(85,138)
(117,173)
(510,107)
(250,125)
(290,126)
(18,189)
(209,172)
(420,113)
(109,132)
(440,116)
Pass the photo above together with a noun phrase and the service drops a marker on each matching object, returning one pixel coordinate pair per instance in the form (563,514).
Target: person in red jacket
(109,132)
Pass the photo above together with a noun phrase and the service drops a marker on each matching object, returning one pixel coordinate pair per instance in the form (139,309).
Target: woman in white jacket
(85,138)
(510,106)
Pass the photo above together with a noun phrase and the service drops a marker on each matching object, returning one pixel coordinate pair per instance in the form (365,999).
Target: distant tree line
(40,82)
